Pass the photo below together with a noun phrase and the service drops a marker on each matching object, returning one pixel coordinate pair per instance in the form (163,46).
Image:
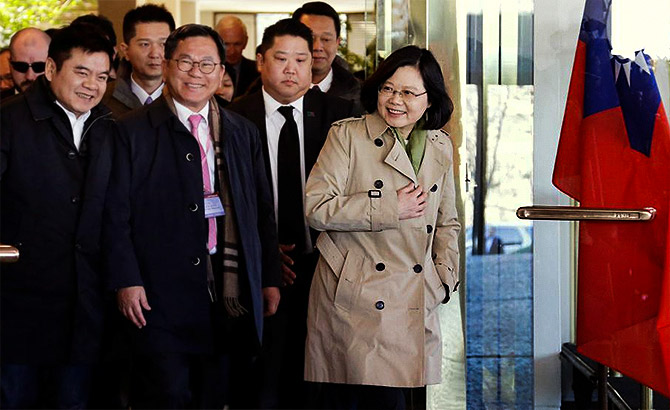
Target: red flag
(614,152)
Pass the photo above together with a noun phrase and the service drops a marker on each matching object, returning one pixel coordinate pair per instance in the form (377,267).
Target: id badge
(213,206)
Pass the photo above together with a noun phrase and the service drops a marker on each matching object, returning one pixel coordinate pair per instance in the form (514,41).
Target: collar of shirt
(143,95)
(272,105)
(77,124)
(203,131)
(325,84)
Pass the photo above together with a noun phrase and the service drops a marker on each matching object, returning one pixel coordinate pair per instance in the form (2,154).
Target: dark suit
(156,232)
(51,209)
(279,376)
(247,74)
(119,96)
(345,85)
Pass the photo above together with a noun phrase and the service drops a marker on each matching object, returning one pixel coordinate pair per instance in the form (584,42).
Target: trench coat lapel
(398,159)
(432,167)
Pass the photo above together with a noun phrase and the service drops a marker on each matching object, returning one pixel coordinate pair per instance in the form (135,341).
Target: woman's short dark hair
(194,30)
(441,106)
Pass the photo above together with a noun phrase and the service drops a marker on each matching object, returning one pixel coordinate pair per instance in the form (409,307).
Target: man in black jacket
(234,34)
(286,108)
(55,162)
(190,231)
(327,74)
(140,76)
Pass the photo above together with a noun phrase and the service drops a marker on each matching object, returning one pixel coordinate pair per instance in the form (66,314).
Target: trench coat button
(380,267)
(433,188)
(71,155)
(429,228)
(379,305)
(190,157)
(379,184)
(74,199)
(417,268)
(195,261)
(193,207)
(379,142)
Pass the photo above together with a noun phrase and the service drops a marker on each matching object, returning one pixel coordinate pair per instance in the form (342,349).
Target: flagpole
(601,373)
(646,398)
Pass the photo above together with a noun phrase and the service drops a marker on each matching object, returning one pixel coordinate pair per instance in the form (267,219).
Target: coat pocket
(436,292)
(347,270)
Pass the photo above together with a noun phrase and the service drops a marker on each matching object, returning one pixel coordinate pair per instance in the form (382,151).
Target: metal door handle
(8,254)
(571,213)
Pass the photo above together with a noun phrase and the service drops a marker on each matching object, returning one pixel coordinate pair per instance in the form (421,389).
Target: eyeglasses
(205,66)
(22,67)
(406,95)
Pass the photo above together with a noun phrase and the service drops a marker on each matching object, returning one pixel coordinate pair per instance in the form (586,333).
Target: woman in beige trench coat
(382,192)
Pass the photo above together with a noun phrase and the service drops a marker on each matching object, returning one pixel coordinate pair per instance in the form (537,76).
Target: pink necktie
(194,120)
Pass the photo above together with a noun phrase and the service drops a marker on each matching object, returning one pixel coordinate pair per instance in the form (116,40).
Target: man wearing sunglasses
(28,50)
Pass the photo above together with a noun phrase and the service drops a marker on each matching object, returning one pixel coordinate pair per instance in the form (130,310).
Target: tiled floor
(499,331)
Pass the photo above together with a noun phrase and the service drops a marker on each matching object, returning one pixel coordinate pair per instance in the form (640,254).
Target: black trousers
(356,397)
(37,386)
(179,381)
(275,377)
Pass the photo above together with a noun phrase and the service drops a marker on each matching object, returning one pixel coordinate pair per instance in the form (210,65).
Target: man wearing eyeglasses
(28,50)
(192,245)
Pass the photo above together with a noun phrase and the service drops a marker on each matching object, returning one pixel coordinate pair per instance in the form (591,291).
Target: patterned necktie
(149,100)
(291,219)
(195,120)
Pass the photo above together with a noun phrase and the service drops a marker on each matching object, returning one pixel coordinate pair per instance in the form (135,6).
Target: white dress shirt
(274,121)
(325,84)
(77,124)
(143,95)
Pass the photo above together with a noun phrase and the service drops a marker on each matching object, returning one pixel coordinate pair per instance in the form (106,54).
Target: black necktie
(289,180)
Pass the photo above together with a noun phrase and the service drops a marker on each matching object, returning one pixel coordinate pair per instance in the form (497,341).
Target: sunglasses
(22,67)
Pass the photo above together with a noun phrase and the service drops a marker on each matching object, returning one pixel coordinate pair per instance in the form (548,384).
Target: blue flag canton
(634,89)
(640,98)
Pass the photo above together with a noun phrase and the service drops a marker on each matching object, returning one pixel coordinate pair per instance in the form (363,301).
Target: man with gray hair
(234,34)
(28,50)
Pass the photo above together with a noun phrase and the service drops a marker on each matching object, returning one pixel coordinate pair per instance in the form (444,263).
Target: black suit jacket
(320,110)
(248,74)
(345,86)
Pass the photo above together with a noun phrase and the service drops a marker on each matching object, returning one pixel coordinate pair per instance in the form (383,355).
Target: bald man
(28,50)
(234,33)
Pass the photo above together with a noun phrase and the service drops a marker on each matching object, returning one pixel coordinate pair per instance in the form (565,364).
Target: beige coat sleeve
(329,205)
(447,228)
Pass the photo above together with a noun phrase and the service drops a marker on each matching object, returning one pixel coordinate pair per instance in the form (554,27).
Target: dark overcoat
(156,232)
(52,198)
